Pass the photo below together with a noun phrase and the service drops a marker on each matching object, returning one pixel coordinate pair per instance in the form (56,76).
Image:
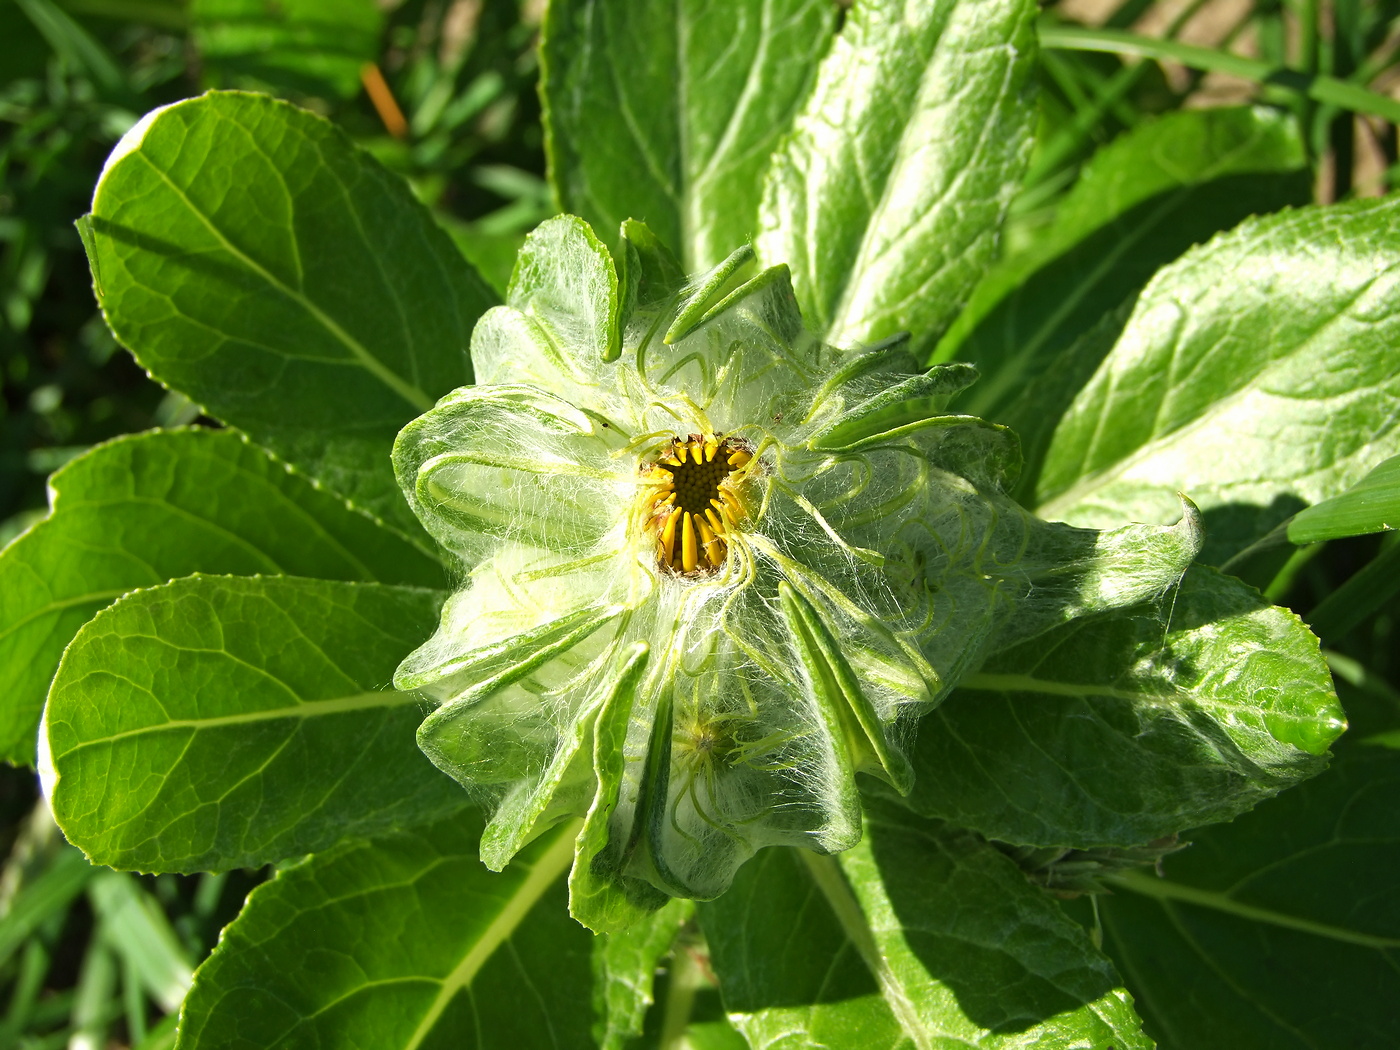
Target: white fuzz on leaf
(713,568)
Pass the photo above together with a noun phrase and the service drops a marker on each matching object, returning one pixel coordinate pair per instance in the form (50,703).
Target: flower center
(692,501)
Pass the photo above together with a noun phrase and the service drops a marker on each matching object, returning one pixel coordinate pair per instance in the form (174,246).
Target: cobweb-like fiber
(695,718)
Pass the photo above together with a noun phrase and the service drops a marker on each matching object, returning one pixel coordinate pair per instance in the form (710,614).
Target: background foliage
(1114,192)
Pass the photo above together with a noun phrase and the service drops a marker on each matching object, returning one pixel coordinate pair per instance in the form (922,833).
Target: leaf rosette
(712,567)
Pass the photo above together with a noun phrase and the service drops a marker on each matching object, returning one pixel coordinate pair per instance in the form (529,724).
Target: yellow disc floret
(692,501)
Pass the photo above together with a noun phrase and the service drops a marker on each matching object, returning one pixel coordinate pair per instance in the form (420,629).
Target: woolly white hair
(697,717)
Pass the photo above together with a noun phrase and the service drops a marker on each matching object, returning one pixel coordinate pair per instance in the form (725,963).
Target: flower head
(713,567)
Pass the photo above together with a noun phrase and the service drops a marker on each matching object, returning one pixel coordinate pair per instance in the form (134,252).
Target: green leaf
(839,693)
(921,936)
(219,722)
(1277,931)
(400,943)
(702,298)
(624,967)
(667,113)
(253,258)
(1371,505)
(1117,729)
(887,198)
(1140,202)
(315,47)
(562,256)
(1256,374)
(600,896)
(145,509)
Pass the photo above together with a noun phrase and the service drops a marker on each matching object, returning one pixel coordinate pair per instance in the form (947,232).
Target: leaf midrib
(1174,434)
(1162,889)
(826,873)
(419,400)
(839,321)
(303,709)
(546,871)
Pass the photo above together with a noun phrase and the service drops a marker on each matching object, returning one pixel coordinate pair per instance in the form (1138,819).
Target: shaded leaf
(221,722)
(1243,380)
(1366,591)
(253,258)
(667,113)
(401,942)
(1117,729)
(1139,203)
(145,509)
(921,936)
(887,198)
(1278,931)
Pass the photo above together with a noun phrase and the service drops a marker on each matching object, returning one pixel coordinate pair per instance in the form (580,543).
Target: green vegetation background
(104,957)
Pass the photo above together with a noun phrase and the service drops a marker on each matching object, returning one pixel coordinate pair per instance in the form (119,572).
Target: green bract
(698,713)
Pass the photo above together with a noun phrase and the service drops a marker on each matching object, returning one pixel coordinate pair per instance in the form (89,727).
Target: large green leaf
(1280,931)
(1139,203)
(401,943)
(1256,374)
(922,936)
(668,112)
(253,258)
(1119,728)
(219,722)
(887,198)
(142,510)
(314,47)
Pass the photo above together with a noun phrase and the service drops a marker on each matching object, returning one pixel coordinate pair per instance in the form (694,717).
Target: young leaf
(921,936)
(1256,374)
(401,943)
(560,258)
(152,507)
(1140,202)
(1371,505)
(887,198)
(313,47)
(668,113)
(624,968)
(1278,931)
(253,258)
(1117,729)
(219,722)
